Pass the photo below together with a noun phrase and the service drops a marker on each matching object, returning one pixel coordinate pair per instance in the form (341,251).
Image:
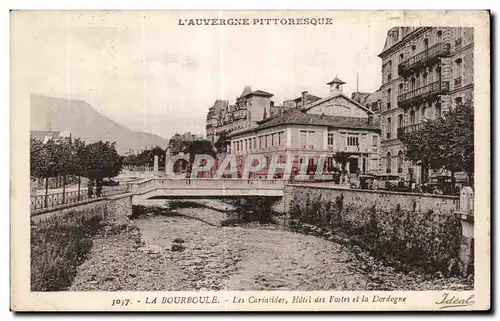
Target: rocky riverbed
(174,253)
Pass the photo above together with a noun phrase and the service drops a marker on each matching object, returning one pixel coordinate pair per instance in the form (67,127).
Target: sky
(148,73)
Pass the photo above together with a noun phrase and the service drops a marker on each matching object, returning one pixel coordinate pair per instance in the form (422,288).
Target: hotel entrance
(353,165)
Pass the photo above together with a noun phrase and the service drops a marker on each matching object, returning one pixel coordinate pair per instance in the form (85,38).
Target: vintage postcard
(250,160)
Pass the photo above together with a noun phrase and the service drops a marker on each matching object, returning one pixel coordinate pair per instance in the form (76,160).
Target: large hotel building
(425,72)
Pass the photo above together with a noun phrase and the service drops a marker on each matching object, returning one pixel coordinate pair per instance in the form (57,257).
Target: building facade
(46,135)
(426,71)
(250,107)
(321,128)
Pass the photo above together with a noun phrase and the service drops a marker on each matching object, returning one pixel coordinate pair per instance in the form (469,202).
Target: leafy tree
(157,151)
(200,147)
(444,143)
(79,167)
(177,144)
(342,158)
(38,158)
(222,143)
(101,160)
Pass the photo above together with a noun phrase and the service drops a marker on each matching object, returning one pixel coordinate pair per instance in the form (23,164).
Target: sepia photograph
(263,160)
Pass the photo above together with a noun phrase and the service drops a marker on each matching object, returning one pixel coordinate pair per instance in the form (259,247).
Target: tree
(101,160)
(78,166)
(38,158)
(342,158)
(444,143)
(177,144)
(221,143)
(157,151)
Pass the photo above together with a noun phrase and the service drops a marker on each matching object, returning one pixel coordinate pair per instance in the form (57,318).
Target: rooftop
(336,80)
(296,117)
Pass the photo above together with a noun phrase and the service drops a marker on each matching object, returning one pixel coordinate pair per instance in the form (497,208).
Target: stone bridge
(157,188)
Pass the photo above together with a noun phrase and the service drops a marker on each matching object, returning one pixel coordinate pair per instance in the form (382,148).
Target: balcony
(409,129)
(424,58)
(351,149)
(458,82)
(426,92)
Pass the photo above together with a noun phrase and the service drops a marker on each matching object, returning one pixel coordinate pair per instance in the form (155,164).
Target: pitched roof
(246,91)
(310,98)
(315,103)
(296,117)
(336,80)
(260,93)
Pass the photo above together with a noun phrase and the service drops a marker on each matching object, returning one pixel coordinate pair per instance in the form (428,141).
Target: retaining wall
(111,206)
(384,200)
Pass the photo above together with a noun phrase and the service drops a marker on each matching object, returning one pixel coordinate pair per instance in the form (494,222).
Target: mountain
(83,121)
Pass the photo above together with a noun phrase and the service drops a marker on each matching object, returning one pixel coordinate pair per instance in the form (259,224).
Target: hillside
(83,121)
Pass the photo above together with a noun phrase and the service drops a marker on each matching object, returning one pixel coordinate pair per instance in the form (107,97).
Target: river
(246,257)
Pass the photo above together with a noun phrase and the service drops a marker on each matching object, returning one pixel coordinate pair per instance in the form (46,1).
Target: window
(389,70)
(438,74)
(439,36)
(458,101)
(249,144)
(458,37)
(400,120)
(413,48)
(280,138)
(272,139)
(423,112)
(412,117)
(389,99)
(412,84)
(303,138)
(400,162)
(352,141)
(254,140)
(426,44)
(400,89)
(388,163)
(458,72)
(374,143)
(438,110)
(389,127)
(331,138)
(401,57)
(424,79)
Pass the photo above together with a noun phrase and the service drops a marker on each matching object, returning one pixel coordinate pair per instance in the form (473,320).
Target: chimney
(304,99)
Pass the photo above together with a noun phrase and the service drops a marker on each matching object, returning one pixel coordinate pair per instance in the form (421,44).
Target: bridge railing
(206,183)
(38,202)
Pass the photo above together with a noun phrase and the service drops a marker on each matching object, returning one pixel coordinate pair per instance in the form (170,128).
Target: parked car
(366,181)
(386,181)
(441,184)
(110,182)
(400,186)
